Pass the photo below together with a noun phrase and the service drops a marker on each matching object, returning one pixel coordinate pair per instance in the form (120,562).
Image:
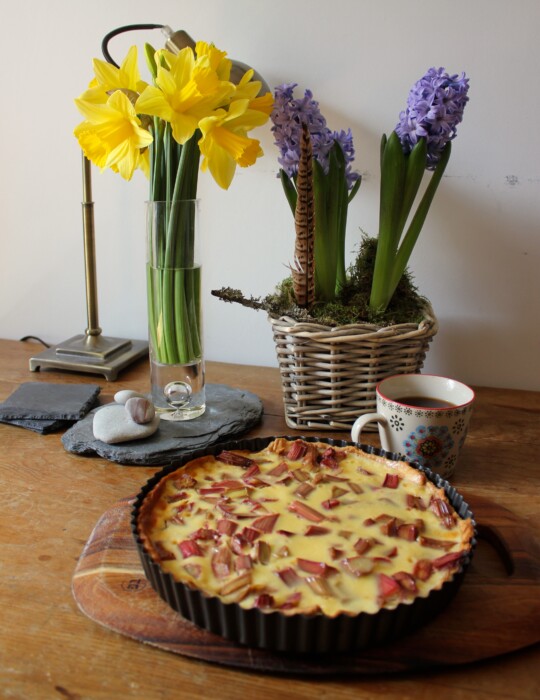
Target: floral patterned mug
(423,417)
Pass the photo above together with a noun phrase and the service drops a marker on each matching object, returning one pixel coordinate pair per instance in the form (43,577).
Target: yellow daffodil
(185,92)
(109,78)
(112,136)
(224,143)
(218,59)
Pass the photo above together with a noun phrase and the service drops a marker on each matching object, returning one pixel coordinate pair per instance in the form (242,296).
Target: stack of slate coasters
(45,407)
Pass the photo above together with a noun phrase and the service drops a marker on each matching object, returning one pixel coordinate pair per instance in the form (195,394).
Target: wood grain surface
(52,500)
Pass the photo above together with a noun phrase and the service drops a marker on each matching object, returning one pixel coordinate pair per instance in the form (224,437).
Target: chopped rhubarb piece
(184,481)
(265,523)
(287,533)
(174,498)
(221,562)
(235,459)
(329,459)
(252,471)
(356,487)
(262,552)
(236,584)
(391,481)
(162,552)
(406,581)
(442,510)
(205,491)
(194,570)
(436,544)
(335,553)
(279,470)
(337,491)
(358,566)
(363,544)
(368,522)
(239,544)
(361,470)
(255,482)
(422,569)
(190,548)
(226,526)
(388,586)
(319,585)
(304,490)
(225,506)
(330,503)
(315,567)
(300,474)
(204,533)
(249,534)
(297,451)
(345,534)
(447,560)
(283,551)
(305,511)
(291,602)
(243,562)
(316,530)
(392,552)
(289,576)
(415,502)
(390,527)
(229,484)
(336,478)
(264,600)
(407,532)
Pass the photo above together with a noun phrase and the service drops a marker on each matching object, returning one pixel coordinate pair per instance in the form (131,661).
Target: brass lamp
(92,352)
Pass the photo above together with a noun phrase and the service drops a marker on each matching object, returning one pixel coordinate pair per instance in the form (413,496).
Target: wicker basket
(329,375)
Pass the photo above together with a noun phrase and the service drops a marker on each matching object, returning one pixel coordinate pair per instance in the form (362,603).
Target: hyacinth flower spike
(420,141)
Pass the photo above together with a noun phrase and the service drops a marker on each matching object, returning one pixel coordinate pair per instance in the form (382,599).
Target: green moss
(352,303)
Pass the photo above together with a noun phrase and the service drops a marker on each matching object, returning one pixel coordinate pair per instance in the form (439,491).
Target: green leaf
(415,227)
(393,170)
(289,189)
(416,166)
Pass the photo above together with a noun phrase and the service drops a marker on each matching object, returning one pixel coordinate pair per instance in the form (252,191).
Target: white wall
(478,259)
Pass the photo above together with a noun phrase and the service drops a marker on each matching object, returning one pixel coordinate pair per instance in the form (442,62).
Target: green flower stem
(174,286)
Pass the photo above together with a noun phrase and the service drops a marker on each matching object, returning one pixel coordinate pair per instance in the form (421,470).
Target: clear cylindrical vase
(174,309)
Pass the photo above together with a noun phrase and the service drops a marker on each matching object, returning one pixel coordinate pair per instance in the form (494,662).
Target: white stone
(125,394)
(112,424)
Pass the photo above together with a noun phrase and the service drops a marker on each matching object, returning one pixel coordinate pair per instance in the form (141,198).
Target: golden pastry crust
(304,528)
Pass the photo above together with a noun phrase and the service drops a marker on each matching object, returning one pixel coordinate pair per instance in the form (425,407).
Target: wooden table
(51,501)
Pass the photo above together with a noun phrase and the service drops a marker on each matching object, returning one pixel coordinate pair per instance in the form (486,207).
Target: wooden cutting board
(496,611)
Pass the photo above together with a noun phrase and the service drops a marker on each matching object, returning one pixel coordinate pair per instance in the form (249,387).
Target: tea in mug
(425,402)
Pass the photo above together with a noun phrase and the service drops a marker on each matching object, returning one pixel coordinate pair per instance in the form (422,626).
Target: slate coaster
(43,427)
(228,412)
(47,401)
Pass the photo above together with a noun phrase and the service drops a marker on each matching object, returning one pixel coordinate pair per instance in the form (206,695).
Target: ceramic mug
(423,417)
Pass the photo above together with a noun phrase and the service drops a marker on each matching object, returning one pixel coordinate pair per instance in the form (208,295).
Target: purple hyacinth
(434,109)
(289,114)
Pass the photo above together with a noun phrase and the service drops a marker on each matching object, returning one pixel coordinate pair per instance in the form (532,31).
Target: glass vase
(174,309)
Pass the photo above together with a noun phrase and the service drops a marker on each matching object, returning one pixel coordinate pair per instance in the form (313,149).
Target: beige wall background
(478,258)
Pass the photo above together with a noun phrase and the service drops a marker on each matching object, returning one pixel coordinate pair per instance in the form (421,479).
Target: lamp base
(94,354)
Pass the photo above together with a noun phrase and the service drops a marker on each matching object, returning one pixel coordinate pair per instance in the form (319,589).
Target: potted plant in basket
(339,332)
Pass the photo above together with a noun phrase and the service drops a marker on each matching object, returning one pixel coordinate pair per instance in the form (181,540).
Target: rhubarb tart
(303,544)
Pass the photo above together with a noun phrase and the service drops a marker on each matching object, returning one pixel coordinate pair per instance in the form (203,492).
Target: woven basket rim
(365,331)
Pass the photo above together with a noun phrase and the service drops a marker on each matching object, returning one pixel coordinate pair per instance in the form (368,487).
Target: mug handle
(359,423)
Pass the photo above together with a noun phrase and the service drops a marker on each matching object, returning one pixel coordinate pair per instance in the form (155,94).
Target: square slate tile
(48,401)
